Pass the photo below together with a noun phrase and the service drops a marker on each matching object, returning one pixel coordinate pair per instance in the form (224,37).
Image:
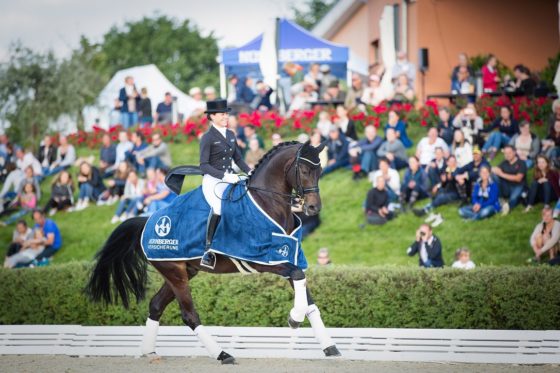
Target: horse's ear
(320,148)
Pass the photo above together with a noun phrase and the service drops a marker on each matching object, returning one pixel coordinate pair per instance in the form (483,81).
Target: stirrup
(208,260)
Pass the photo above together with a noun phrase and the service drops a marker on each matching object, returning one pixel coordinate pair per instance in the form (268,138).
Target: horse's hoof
(332,351)
(292,323)
(226,358)
(153,358)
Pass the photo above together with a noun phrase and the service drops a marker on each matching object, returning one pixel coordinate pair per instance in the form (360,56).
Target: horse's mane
(268,155)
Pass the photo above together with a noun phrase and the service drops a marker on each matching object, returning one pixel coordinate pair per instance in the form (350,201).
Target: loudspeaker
(423,62)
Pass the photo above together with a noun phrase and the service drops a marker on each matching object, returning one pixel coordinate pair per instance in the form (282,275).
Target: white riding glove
(231,178)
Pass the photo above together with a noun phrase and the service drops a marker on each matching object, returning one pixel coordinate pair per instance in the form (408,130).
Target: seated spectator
(551,145)
(393,149)
(163,196)
(245,92)
(468,121)
(426,149)
(510,175)
(334,93)
(403,66)
(25,159)
(428,246)
(545,186)
(490,76)
(461,149)
(30,249)
(90,185)
(324,124)
(304,95)
(415,184)
(164,110)
(314,74)
(62,193)
(377,204)
(156,155)
(402,91)
(524,83)
(149,189)
(262,100)
(65,157)
(27,202)
(315,139)
(210,93)
(363,154)
(327,80)
(554,116)
(323,258)
(391,177)
(139,143)
(29,178)
(11,183)
(507,128)
(52,240)
(337,147)
(373,94)
(107,156)
(445,125)
(464,85)
(463,259)
(485,198)
(546,236)
(463,61)
(470,173)
(355,92)
(400,127)
(115,185)
(46,154)
(21,234)
(276,139)
(254,154)
(145,108)
(526,143)
(345,124)
(437,167)
(132,196)
(250,132)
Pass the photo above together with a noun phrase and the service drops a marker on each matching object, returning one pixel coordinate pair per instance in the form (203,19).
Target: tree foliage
(312,12)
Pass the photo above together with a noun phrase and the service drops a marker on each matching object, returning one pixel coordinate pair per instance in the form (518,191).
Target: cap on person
(209,90)
(333,84)
(194,91)
(325,68)
(476,150)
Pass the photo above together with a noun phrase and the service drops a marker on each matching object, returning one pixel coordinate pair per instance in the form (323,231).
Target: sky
(58,24)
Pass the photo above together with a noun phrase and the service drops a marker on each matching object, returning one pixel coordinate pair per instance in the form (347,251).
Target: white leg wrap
(314,317)
(150,335)
(208,341)
(300,301)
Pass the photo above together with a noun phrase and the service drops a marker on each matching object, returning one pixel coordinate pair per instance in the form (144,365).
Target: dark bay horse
(287,170)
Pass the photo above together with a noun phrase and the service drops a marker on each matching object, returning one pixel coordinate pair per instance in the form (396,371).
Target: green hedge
(485,298)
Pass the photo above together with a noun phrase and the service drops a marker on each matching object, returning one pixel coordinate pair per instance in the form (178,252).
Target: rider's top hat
(217,106)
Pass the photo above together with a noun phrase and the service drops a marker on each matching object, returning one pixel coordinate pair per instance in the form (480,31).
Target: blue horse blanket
(245,232)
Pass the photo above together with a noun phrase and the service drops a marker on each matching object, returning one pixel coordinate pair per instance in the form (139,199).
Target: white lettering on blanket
(163,244)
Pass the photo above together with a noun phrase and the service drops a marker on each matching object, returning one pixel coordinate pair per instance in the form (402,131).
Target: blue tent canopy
(296,45)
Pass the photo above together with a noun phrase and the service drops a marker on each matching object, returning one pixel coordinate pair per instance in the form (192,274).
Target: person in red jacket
(490,78)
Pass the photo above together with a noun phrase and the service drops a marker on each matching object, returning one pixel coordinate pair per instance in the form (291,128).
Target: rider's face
(220,119)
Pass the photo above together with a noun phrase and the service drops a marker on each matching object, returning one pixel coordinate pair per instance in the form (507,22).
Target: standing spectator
(526,143)
(157,155)
(65,156)
(545,186)
(391,177)
(463,259)
(490,77)
(426,149)
(377,204)
(393,149)
(133,194)
(363,154)
(428,246)
(415,184)
(337,146)
(463,61)
(461,149)
(163,196)
(62,193)
(445,125)
(145,107)
(21,234)
(47,154)
(507,128)
(399,126)
(107,156)
(27,201)
(52,240)
(164,110)
(546,236)
(510,175)
(129,99)
(199,104)
(254,154)
(402,91)
(354,95)
(471,124)
(29,251)
(323,258)
(373,94)
(403,66)
(485,198)
(90,184)
(209,93)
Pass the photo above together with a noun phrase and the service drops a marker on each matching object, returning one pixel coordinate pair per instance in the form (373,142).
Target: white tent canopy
(148,76)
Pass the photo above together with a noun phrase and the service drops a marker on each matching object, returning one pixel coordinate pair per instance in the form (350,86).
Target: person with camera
(428,247)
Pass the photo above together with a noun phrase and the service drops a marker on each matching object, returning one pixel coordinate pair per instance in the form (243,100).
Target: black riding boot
(209,259)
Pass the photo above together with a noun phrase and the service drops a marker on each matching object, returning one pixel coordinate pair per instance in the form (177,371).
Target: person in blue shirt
(364,153)
(164,110)
(107,156)
(415,185)
(138,144)
(52,238)
(337,148)
(129,100)
(163,196)
(485,198)
(400,127)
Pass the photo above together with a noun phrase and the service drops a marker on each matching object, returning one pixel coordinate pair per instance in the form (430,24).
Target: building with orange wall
(516,31)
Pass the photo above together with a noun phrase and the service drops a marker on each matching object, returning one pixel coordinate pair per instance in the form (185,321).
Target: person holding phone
(428,246)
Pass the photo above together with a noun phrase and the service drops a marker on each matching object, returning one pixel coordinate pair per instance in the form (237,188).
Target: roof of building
(337,17)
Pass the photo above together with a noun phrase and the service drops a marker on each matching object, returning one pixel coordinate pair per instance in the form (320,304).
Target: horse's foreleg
(314,317)
(157,305)
(297,313)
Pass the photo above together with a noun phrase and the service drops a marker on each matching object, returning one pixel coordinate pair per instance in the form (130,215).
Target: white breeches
(213,189)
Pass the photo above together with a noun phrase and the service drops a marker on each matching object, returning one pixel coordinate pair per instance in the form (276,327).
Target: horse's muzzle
(311,210)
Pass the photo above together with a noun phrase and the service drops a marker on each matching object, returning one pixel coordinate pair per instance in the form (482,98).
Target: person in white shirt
(461,149)
(124,145)
(25,158)
(403,66)
(463,259)
(324,124)
(65,156)
(373,94)
(426,149)
(391,176)
(546,235)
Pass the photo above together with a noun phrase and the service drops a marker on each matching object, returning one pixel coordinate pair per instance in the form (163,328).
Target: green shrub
(485,298)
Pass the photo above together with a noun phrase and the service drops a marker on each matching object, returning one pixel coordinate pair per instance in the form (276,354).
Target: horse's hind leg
(157,305)
(314,316)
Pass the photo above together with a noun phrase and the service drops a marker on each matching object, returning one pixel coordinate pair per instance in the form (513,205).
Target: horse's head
(305,180)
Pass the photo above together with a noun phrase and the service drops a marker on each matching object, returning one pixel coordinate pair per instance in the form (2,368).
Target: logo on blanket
(284,251)
(163,226)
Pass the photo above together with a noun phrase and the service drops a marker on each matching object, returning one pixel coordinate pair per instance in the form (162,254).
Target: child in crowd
(21,234)
(463,259)
(133,194)
(27,200)
(29,251)
(62,193)
(324,124)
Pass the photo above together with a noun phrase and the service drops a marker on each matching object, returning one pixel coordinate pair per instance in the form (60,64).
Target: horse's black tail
(122,264)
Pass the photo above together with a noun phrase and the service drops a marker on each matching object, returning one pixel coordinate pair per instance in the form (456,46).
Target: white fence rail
(445,345)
